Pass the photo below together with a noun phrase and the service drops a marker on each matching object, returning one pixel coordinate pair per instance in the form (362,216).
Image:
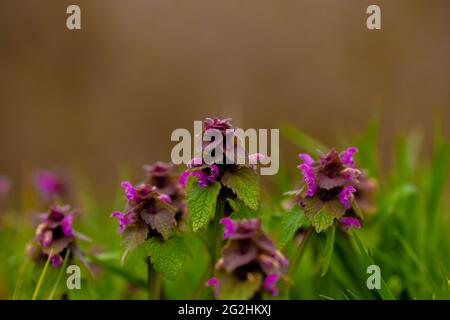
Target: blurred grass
(407,236)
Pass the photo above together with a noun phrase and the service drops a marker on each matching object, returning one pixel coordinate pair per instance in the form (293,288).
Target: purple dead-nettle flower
(55,236)
(248,259)
(162,176)
(155,207)
(50,185)
(5,185)
(146,211)
(218,124)
(365,194)
(329,186)
(207,174)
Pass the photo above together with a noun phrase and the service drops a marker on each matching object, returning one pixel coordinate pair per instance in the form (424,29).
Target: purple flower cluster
(249,255)
(54,236)
(49,184)
(333,176)
(5,185)
(208,174)
(154,206)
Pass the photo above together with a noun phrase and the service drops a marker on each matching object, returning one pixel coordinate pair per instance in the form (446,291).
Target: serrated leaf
(290,223)
(134,236)
(167,256)
(328,250)
(322,214)
(232,288)
(201,202)
(322,220)
(244,183)
(241,211)
(163,221)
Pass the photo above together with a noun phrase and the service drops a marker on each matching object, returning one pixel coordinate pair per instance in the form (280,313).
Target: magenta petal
(47,238)
(347,156)
(183,178)
(130,192)
(214,173)
(270,283)
(166,198)
(201,177)
(122,220)
(306,158)
(56,260)
(212,282)
(228,227)
(348,222)
(345,196)
(309,178)
(66,225)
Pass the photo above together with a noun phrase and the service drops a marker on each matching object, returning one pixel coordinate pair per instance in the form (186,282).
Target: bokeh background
(111,94)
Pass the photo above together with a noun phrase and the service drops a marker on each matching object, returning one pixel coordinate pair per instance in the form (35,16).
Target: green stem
(41,277)
(154,282)
(295,261)
(216,237)
(61,271)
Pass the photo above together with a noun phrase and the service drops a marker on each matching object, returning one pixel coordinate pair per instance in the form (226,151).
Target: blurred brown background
(113,92)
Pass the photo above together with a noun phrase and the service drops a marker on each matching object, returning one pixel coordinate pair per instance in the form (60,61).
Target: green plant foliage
(241,211)
(201,203)
(244,182)
(167,256)
(290,223)
(233,289)
(328,250)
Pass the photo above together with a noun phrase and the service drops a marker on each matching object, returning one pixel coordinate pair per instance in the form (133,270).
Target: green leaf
(244,183)
(134,236)
(232,288)
(328,251)
(241,211)
(134,261)
(322,220)
(322,214)
(121,272)
(301,139)
(290,223)
(167,256)
(201,202)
